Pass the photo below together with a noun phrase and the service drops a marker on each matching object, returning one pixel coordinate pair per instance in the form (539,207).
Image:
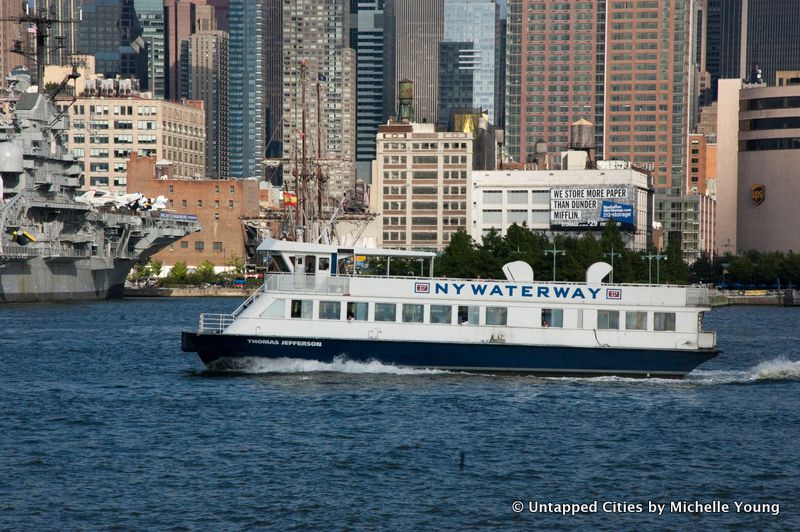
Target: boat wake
(778,369)
(340,364)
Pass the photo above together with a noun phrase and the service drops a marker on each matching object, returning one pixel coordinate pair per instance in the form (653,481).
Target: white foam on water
(340,364)
(776,369)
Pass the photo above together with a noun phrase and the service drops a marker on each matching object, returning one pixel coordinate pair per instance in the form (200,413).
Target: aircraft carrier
(53,245)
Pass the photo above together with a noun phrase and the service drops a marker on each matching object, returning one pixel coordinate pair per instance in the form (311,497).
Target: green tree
(154,268)
(458,258)
(178,274)
(236,264)
(204,273)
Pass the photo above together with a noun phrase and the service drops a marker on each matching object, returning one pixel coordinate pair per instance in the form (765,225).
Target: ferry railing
(288,282)
(214,323)
(696,296)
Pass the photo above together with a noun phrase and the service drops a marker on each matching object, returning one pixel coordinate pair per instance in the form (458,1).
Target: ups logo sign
(757,194)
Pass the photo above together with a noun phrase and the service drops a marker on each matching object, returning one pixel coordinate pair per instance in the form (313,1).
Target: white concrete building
(556,201)
(420,185)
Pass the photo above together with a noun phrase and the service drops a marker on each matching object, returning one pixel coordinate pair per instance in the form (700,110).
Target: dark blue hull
(216,350)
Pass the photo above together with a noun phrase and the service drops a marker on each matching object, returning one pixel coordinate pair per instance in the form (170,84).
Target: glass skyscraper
(151,19)
(476,25)
(248,120)
(366,37)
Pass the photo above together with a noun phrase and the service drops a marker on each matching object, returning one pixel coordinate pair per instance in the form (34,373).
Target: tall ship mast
(310,213)
(57,243)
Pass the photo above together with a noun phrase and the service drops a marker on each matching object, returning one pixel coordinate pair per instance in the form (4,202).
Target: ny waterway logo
(448,288)
(422,288)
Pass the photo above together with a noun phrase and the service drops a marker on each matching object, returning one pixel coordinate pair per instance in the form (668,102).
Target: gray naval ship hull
(39,279)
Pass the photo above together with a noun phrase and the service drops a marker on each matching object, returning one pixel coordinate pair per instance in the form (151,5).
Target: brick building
(219,204)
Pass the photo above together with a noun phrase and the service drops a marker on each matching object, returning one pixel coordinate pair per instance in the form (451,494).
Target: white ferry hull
(220,351)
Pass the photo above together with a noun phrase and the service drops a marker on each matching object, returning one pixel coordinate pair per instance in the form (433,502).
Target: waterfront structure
(469,58)
(318,62)
(110,120)
(110,31)
(414,29)
(219,204)
(366,38)
(206,79)
(562,201)
(420,185)
(758,139)
(151,19)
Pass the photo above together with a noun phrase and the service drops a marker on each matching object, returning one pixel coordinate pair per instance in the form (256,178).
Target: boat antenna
(39,22)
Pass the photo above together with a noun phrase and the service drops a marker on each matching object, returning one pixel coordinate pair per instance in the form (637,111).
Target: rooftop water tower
(581,136)
(405,97)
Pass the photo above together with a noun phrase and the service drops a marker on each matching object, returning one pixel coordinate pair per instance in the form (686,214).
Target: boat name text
(296,343)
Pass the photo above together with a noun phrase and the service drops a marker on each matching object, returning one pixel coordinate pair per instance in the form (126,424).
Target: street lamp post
(612,254)
(555,251)
(650,257)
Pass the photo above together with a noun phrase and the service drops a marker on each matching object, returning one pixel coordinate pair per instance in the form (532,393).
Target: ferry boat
(323,301)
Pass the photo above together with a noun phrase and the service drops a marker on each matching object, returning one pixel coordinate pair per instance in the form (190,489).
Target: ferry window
(412,313)
(496,316)
(552,317)
(385,312)
(441,314)
(358,311)
(608,319)
(636,321)
(302,308)
(468,314)
(324,263)
(276,309)
(330,310)
(664,321)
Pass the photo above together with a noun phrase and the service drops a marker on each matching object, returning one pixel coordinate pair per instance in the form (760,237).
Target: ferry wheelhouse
(324,301)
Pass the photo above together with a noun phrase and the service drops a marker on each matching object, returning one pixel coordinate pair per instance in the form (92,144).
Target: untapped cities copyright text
(651,507)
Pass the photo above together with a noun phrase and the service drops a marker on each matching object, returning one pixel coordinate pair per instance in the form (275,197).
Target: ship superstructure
(53,244)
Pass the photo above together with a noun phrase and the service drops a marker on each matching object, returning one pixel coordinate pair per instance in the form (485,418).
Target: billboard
(588,207)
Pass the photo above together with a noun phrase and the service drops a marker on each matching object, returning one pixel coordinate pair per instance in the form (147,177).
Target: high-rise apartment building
(413,31)
(366,38)
(180,21)
(151,19)
(625,66)
(207,80)
(469,58)
(315,41)
(555,72)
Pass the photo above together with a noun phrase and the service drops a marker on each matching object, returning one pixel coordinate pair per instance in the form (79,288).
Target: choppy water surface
(106,424)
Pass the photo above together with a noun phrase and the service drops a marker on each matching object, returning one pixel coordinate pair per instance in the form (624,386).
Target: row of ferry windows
(463,314)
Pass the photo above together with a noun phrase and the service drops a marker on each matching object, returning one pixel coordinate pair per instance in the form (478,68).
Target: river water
(106,424)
